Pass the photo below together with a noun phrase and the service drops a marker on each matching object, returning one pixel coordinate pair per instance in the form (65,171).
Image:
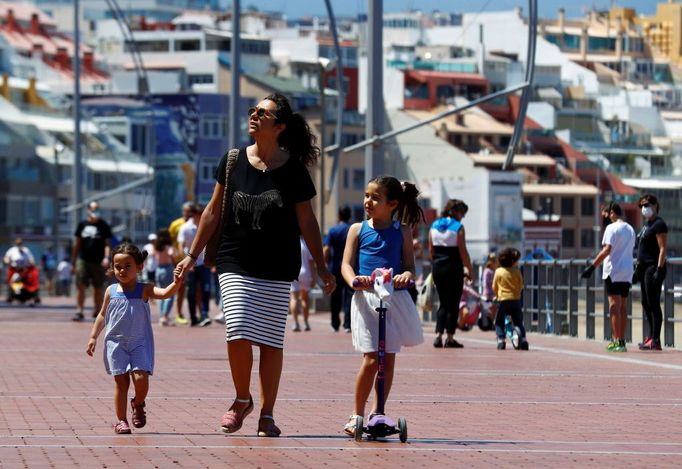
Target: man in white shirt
(617,254)
(200,276)
(18,256)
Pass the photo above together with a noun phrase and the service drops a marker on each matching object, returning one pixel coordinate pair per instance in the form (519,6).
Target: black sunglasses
(260,112)
(645,204)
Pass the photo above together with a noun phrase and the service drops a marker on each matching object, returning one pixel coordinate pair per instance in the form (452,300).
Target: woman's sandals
(233,420)
(267,427)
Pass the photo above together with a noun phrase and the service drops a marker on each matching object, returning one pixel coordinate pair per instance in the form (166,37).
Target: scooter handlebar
(357,284)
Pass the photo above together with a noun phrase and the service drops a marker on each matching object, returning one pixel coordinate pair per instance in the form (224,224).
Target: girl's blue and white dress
(383,248)
(128,340)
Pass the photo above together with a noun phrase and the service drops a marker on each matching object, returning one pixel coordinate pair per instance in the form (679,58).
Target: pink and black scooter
(380,425)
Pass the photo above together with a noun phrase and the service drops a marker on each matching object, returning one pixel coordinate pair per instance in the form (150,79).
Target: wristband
(191,256)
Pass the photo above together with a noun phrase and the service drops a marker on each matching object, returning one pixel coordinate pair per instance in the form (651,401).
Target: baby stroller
(24,284)
(474,310)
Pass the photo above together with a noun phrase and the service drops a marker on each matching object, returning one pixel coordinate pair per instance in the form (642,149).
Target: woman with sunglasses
(651,268)
(259,253)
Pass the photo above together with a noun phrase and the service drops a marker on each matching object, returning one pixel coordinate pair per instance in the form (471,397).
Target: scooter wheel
(402,426)
(359,428)
(515,340)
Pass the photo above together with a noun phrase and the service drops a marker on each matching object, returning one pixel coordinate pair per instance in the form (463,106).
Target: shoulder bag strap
(231,160)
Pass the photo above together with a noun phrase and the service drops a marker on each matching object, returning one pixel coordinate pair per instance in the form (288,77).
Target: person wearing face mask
(651,268)
(618,244)
(90,258)
(449,256)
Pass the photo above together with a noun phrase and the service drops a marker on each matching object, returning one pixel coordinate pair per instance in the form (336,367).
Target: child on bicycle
(128,340)
(384,240)
(508,284)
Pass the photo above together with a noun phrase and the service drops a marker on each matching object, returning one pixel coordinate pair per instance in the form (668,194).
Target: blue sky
(548,8)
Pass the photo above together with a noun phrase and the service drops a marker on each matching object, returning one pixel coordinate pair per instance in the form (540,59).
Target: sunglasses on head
(260,112)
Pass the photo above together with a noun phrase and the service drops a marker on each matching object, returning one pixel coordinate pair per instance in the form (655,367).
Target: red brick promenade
(565,403)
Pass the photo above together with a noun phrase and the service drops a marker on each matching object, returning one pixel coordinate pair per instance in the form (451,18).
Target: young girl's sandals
(233,420)
(267,427)
(122,428)
(349,428)
(139,415)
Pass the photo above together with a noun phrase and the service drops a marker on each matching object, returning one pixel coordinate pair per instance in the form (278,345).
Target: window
(528,203)
(586,207)
(199,79)
(63,217)
(206,170)
(214,126)
(24,211)
(567,206)
(359,179)
(567,238)
(184,45)
(218,43)
(547,205)
(345,179)
(149,46)
(139,138)
(586,238)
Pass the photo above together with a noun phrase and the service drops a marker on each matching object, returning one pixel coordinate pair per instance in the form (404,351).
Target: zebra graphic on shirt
(255,205)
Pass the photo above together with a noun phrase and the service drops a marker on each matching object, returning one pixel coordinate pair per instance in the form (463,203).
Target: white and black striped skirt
(254,309)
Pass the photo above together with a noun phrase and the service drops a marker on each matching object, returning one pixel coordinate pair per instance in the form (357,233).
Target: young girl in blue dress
(384,240)
(128,340)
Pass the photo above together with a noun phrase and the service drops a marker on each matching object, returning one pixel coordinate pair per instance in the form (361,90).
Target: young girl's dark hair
(132,250)
(408,212)
(296,138)
(509,256)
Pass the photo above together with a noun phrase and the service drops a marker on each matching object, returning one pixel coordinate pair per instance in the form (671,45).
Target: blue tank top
(380,249)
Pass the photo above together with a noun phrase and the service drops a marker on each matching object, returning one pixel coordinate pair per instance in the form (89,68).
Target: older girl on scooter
(384,240)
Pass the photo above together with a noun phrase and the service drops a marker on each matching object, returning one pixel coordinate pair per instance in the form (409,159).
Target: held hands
(328,280)
(184,266)
(587,273)
(91,346)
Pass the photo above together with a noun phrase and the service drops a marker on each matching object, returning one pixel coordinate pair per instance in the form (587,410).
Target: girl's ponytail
(409,211)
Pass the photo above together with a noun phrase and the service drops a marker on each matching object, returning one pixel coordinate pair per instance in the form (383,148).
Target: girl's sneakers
(122,428)
(180,321)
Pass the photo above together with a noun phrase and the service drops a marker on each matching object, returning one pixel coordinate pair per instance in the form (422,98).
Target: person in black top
(651,268)
(334,244)
(90,258)
(269,208)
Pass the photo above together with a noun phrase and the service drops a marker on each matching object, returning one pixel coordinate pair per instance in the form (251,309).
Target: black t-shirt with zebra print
(261,238)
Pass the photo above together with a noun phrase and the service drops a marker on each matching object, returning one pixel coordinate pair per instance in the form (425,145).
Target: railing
(557,301)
